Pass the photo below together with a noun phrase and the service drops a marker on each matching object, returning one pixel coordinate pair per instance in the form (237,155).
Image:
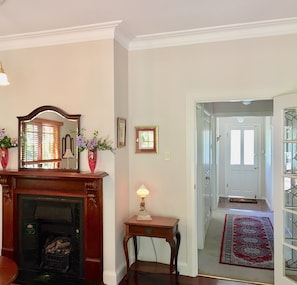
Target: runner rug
(247,241)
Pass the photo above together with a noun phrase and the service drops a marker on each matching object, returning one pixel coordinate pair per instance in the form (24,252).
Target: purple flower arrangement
(95,143)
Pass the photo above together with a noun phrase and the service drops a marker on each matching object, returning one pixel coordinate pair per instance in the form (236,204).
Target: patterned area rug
(247,241)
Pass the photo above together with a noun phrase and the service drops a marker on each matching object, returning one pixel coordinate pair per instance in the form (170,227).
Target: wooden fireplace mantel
(88,186)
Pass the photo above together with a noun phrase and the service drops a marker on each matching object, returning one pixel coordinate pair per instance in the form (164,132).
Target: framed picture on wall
(146,139)
(121,132)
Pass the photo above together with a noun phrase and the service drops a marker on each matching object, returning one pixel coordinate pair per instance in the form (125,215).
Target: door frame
(191,177)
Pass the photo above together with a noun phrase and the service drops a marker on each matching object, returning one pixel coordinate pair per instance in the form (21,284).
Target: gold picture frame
(121,132)
(146,139)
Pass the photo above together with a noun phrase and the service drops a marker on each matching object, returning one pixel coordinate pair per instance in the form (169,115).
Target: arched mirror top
(47,140)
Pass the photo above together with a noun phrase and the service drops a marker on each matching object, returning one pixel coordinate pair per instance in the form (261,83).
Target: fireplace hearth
(53,226)
(51,234)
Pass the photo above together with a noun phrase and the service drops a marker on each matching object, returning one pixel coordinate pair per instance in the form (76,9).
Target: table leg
(135,247)
(173,253)
(177,236)
(174,245)
(125,244)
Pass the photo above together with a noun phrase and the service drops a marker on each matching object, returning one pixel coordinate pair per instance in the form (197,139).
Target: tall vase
(4,157)
(92,159)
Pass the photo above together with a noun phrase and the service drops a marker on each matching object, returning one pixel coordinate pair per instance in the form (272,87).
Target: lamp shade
(3,77)
(142,191)
(68,153)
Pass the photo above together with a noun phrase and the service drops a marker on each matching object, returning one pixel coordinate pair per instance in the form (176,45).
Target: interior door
(242,163)
(204,173)
(284,186)
(207,151)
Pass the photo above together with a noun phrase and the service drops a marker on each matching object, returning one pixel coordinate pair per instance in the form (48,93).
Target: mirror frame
(32,115)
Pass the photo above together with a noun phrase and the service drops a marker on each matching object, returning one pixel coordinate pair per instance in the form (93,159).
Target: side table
(158,227)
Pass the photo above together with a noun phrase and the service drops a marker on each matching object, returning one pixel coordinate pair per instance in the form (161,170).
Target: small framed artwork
(121,132)
(146,139)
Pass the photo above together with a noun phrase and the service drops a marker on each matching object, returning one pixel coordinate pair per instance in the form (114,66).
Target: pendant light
(3,77)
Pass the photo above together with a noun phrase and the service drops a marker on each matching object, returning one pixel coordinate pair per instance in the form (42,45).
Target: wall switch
(167,155)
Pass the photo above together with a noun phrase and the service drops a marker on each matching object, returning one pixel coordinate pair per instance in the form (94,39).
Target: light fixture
(3,77)
(68,154)
(143,192)
(246,102)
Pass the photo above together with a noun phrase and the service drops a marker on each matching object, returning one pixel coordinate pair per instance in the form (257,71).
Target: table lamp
(68,154)
(143,192)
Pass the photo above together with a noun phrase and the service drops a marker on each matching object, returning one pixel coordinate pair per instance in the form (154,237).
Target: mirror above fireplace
(47,140)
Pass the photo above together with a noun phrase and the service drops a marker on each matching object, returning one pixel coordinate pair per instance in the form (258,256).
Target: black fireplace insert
(51,235)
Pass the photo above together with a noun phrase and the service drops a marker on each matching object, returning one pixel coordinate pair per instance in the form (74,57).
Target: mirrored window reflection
(41,144)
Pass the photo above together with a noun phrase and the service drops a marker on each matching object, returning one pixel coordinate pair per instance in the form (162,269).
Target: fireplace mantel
(67,184)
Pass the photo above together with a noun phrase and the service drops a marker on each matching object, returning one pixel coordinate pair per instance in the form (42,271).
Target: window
(242,147)
(41,143)
(235,147)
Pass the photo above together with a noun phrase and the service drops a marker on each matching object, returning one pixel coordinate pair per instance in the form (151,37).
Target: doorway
(237,129)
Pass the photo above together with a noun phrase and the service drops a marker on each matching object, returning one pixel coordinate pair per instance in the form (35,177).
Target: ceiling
(140,17)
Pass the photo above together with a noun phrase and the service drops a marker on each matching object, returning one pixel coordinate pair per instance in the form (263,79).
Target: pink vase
(4,157)
(92,159)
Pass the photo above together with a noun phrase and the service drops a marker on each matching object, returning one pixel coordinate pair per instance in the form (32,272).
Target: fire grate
(56,254)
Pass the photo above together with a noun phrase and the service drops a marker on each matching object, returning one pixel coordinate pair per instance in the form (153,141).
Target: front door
(242,163)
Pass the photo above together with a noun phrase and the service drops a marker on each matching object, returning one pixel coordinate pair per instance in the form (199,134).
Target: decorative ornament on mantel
(92,159)
(5,143)
(92,146)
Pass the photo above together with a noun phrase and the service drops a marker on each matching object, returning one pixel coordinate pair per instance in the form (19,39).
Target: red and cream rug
(247,241)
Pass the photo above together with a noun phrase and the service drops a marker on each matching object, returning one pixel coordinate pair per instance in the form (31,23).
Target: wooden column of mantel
(69,184)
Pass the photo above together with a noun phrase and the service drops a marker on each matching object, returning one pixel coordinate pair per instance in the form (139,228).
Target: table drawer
(149,231)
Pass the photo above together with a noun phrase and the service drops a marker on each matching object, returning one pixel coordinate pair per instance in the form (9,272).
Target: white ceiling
(140,17)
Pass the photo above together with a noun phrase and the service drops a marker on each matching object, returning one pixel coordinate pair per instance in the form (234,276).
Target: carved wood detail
(85,185)
(5,189)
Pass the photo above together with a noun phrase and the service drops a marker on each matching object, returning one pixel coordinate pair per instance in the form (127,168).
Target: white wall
(78,78)
(164,86)
(121,164)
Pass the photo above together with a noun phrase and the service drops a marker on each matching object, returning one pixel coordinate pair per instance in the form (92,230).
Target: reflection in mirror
(45,140)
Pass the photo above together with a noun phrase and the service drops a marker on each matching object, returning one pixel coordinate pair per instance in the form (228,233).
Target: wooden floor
(259,206)
(142,278)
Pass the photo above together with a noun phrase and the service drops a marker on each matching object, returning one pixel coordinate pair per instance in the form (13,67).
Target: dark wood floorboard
(142,278)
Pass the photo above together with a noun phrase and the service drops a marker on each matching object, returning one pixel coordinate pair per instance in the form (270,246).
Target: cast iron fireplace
(53,223)
(51,234)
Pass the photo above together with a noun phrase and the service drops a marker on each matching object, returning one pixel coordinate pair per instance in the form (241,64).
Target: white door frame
(191,143)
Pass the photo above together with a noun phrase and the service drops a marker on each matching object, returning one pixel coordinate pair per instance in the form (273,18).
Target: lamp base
(143,215)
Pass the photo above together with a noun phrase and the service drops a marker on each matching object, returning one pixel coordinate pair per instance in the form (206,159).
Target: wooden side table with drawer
(158,227)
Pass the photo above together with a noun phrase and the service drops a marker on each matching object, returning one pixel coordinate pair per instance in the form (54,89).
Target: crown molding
(118,31)
(216,34)
(93,32)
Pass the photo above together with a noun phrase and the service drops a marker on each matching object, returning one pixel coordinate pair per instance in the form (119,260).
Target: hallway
(209,256)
